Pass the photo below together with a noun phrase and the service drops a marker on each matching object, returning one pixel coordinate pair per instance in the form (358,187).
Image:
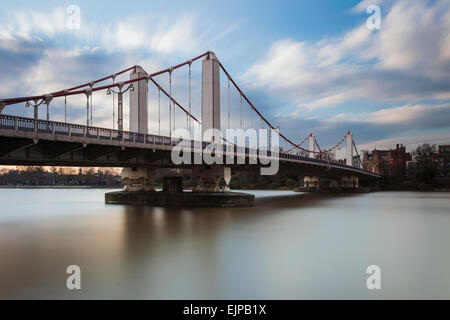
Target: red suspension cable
(301,143)
(74,91)
(317,144)
(357,154)
(173,100)
(260,114)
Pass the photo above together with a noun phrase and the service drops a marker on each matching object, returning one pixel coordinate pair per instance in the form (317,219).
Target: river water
(289,246)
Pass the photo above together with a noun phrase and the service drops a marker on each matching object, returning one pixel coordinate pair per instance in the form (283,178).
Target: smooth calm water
(290,246)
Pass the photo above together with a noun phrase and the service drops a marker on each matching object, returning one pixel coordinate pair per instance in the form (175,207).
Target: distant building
(390,162)
(444,160)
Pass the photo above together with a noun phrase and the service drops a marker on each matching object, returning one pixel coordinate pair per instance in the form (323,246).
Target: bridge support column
(311,182)
(349,182)
(316,184)
(349,150)
(355,182)
(311,145)
(210,93)
(35,118)
(211,179)
(208,186)
(334,183)
(138,179)
(139,102)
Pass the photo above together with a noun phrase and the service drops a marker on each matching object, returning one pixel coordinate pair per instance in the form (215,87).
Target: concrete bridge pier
(311,182)
(334,183)
(349,182)
(211,179)
(138,179)
(210,182)
(315,183)
(321,184)
(210,190)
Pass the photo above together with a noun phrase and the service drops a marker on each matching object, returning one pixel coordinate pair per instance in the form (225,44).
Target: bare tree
(427,169)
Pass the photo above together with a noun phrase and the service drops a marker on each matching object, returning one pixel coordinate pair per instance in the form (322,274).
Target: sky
(308,66)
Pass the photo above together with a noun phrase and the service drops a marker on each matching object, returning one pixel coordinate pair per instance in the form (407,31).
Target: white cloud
(396,115)
(409,142)
(409,59)
(129,36)
(158,35)
(31,24)
(174,34)
(180,33)
(44,56)
(404,114)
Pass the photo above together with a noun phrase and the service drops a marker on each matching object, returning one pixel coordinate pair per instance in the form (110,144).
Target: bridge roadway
(24,141)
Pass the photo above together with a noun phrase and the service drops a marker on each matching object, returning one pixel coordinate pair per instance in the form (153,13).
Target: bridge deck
(29,142)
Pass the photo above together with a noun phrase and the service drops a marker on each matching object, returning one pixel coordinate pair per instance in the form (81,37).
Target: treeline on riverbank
(69,177)
(407,183)
(39,176)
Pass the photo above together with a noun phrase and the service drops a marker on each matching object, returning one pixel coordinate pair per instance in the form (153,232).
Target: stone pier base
(181,199)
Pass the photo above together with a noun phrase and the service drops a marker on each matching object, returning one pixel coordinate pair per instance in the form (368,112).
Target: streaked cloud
(407,114)
(410,142)
(42,55)
(407,60)
(401,71)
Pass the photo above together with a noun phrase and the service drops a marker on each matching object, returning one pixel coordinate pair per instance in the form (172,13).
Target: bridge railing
(7,122)
(77,130)
(104,134)
(25,124)
(60,128)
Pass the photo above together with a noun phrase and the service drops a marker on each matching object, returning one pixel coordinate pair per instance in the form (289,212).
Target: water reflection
(288,246)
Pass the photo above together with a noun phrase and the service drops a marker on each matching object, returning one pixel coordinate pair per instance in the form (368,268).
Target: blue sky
(310,66)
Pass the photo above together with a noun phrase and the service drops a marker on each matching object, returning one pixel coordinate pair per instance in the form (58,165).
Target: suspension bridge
(36,141)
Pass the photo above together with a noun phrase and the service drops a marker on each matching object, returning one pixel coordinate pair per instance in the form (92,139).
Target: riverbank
(416,189)
(61,187)
(237,189)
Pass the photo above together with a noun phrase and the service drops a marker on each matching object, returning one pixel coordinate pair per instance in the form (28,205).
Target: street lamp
(87,92)
(35,105)
(47,100)
(120,102)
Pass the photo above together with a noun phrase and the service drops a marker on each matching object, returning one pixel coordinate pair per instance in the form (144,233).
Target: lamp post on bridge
(120,102)
(48,98)
(88,92)
(35,105)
